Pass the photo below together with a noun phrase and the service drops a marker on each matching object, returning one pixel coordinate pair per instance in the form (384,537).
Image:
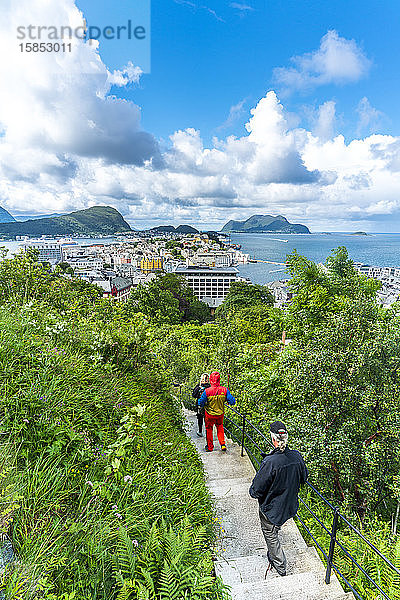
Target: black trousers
(200,421)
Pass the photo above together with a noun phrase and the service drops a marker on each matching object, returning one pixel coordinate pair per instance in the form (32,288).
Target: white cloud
(235,112)
(195,6)
(68,144)
(369,118)
(60,103)
(337,61)
(243,8)
(212,12)
(324,127)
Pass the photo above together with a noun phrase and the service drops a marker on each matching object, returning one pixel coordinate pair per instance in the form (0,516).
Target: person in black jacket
(276,487)
(197,392)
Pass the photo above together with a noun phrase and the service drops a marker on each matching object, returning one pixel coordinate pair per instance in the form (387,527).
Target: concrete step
(252,568)
(299,586)
(241,550)
(240,530)
(219,465)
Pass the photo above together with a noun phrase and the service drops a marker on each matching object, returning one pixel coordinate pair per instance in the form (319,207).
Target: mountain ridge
(96,220)
(5,216)
(184,229)
(264,224)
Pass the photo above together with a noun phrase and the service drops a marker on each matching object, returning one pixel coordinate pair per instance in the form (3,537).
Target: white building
(48,251)
(209,285)
(127,270)
(281,292)
(212,259)
(377,272)
(85,263)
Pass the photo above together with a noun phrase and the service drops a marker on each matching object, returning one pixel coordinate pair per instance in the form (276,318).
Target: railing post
(332,546)
(243,427)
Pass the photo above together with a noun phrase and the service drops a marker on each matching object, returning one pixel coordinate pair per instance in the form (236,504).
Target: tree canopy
(168,299)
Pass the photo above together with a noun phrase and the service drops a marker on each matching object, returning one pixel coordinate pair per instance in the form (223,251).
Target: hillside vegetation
(336,386)
(96,469)
(101,493)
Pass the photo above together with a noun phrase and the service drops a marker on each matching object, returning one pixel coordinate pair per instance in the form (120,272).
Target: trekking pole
(332,546)
(243,433)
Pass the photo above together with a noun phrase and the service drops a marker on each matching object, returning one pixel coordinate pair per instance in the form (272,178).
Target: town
(207,261)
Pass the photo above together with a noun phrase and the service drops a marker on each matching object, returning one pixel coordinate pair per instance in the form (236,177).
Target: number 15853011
(45,47)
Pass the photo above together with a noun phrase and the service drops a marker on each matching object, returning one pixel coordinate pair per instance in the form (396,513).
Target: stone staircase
(241,553)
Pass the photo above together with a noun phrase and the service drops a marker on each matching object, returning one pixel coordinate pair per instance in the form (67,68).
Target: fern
(169,588)
(125,554)
(126,590)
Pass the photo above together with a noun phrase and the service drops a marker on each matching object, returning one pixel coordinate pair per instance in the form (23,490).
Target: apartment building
(148,265)
(212,259)
(85,264)
(210,285)
(48,251)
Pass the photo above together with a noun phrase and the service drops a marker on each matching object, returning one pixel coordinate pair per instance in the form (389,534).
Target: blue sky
(205,63)
(250,107)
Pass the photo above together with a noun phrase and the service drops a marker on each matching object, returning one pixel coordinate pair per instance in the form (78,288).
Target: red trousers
(218,421)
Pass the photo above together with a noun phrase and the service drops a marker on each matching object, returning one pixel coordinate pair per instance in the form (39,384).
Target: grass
(97,476)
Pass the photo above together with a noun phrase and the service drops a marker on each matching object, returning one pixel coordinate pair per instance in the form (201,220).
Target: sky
(225,109)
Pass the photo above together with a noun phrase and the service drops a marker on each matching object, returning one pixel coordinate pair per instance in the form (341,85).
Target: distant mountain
(184,229)
(264,224)
(5,216)
(34,217)
(97,220)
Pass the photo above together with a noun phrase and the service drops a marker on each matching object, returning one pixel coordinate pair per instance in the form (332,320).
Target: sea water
(382,250)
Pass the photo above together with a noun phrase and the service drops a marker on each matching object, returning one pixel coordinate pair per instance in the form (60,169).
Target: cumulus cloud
(68,143)
(336,61)
(60,103)
(324,125)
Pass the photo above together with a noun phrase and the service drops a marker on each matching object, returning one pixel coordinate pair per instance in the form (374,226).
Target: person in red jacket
(213,399)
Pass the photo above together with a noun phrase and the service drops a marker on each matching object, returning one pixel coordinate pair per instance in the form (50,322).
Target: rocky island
(264,224)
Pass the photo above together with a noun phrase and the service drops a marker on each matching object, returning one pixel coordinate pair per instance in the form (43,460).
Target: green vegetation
(97,220)
(336,386)
(175,248)
(167,299)
(265,224)
(101,492)
(244,296)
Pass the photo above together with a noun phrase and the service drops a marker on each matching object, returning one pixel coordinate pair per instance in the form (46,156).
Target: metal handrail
(337,515)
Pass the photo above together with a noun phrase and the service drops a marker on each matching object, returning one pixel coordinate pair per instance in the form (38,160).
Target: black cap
(278,427)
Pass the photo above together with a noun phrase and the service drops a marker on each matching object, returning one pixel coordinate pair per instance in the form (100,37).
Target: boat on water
(278,240)
(67,242)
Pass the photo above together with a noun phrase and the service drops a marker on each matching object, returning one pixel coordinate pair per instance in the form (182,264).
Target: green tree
(62,267)
(168,299)
(321,290)
(243,295)
(153,301)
